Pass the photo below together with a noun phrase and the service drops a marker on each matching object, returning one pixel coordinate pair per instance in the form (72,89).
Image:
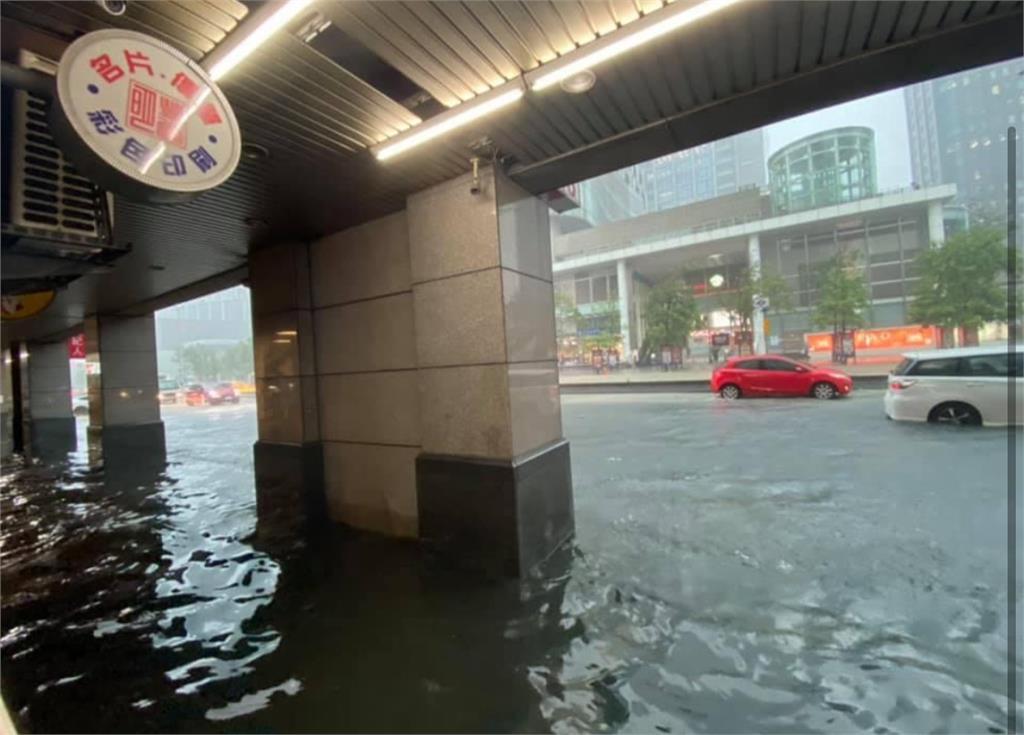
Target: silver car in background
(968,386)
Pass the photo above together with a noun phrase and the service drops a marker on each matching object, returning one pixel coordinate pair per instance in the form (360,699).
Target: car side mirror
(801,369)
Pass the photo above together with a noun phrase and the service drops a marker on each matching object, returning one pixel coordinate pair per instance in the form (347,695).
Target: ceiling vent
(56,223)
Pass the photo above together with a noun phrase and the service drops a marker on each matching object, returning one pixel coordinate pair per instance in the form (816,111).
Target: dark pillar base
(501,517)
(54,438)
(289,488)
(134,445)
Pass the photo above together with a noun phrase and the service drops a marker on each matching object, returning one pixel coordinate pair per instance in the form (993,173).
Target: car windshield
(195,386)
(223,386)
(901,369)
(168,385)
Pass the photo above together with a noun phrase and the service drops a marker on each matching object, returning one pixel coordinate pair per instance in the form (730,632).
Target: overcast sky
(884,113)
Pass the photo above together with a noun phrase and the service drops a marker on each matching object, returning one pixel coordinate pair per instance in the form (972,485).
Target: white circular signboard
(142,119)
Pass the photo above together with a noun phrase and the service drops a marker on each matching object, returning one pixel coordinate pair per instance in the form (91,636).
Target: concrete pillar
(124,408)
(6,407)
(754,264)
(49,383)
(936,225)
(288,461)
(624,278)
(367,375)
(494,487)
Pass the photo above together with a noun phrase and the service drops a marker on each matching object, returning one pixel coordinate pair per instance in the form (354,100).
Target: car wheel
(730,392)
(824,391)
(958,414)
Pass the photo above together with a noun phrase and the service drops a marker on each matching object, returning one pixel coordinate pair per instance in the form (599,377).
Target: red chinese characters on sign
(137,60)
(76,347)
(208,112)
(185,85)
(156,114)
(106,68)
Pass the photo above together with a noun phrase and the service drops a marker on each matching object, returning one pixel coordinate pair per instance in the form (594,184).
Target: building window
(583,291)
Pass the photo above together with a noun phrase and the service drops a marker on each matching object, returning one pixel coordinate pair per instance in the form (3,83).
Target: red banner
(886,338)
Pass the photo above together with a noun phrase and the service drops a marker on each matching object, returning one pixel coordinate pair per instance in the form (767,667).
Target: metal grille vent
(47,193)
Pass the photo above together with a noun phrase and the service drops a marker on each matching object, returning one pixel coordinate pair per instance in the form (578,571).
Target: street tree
(739,302)
(567,316)
(207,362)
(670,314)
(842,294)
(961,282)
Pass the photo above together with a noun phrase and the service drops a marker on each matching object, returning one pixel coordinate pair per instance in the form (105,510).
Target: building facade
(705,171)
(957,128)
(616,264)
(615,196)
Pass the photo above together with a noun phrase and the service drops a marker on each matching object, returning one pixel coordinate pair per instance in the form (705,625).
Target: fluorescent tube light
(449,120)
(624,39)
(264,23)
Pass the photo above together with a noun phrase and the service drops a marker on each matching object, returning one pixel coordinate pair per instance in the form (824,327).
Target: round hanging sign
(22,306)
(142,119)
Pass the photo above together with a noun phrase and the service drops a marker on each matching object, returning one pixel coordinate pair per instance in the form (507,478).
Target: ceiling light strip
(251,34)
(449,120)
(626,38)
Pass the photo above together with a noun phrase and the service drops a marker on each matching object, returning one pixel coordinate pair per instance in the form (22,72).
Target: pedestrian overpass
(386,210)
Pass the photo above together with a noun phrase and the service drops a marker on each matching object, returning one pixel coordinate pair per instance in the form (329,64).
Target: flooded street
(755,566)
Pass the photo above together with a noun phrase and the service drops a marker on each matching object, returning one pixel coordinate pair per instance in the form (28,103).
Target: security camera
(114,7)
(474,188)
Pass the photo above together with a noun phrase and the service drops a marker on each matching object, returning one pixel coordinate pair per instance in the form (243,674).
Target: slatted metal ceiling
(317,119)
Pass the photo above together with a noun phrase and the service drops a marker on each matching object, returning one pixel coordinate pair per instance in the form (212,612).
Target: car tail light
(901,383)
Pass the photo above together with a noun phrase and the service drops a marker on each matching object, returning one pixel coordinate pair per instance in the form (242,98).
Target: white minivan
(967,386)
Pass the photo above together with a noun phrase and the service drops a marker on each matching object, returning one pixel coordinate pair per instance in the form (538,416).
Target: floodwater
(758,566)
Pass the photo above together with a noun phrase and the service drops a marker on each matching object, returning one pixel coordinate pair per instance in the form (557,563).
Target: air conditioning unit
(56,224)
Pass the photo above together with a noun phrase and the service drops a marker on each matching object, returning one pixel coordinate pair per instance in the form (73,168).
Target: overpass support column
(124,410)
(494,487)
(288,460)
(49,386)
(754,263)
(624,279)
(936,225)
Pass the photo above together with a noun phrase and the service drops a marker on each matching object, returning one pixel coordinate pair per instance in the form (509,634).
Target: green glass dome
(830,167)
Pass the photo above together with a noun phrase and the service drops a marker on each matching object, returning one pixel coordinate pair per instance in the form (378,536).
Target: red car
(775,375)
(197,395)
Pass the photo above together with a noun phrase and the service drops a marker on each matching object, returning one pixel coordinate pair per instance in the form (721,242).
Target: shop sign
(143,119)
(76,347)
(22,306)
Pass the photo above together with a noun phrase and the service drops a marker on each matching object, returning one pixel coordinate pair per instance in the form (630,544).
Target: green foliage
(207,362)
(740,302)
(671,314)
(960,281)
(842,294)
(567,316)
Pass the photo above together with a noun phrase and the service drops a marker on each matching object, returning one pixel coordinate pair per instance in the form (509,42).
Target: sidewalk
(693,373)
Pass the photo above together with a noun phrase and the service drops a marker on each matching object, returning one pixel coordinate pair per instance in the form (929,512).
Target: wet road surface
(757,566)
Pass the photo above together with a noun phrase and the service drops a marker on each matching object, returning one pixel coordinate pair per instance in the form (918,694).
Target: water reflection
(707,597)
